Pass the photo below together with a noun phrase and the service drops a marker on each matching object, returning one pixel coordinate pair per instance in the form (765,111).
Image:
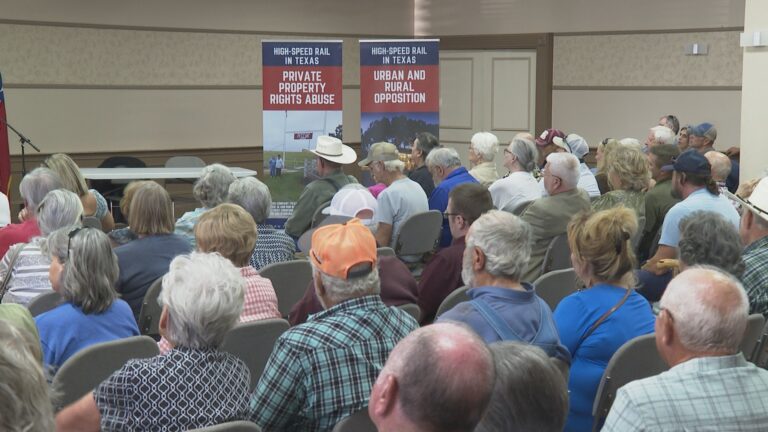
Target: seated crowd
(660,241)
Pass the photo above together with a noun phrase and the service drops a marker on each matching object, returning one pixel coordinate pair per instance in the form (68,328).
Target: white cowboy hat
(757,201)
(332,149)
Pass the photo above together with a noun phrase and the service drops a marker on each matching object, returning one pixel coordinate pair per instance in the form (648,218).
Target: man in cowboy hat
(753,230)
(330,154)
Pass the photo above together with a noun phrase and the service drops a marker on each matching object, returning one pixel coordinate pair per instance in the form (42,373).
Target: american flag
(5,157)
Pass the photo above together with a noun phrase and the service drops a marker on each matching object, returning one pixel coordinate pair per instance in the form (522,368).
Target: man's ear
(163,323)
(384,399)
(665,329)
(478,259)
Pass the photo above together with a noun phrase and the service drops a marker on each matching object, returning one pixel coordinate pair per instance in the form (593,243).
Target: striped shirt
(260,301)
(703,394)
(29,276)
(323,370)
(755,277)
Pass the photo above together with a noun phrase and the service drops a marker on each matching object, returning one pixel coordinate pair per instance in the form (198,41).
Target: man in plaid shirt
(710,385)
(754,235)
(323,370)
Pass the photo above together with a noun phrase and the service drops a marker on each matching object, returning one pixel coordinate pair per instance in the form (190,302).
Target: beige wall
(462,17)
(754,157)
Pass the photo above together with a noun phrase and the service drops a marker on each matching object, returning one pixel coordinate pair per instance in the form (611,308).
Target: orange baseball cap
(338,248)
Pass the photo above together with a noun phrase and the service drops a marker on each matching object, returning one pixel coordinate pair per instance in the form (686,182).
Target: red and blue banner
(5,157)
(399,90)
(302,99)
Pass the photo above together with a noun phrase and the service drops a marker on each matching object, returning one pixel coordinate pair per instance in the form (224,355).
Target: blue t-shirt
(524,312)
(144,260)
(439,198)
(66,330)
(698,200)
(574,316)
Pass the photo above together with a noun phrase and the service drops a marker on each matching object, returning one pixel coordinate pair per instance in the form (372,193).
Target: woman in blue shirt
(595,322)
(83,270)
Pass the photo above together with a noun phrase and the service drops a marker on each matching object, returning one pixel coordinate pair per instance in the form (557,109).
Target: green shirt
(315,194)
(658,201)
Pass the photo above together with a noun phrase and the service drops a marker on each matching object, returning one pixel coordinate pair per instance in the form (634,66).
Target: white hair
(525,151)
(394,166)
(339,290)
(36,184)
(566,167)
(709,308)
(60,208)
(663,135)
(631,142)
(485,144)
(212,187)
(204,294)
(505,240)
(252,195)
(445,157)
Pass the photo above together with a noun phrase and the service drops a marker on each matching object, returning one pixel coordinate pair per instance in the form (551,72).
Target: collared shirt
(526,314)
(703,394)
(485,173)
(700,199)
(440,277)
(755,277)
(439,198)
(324,369)
(185,226)
(185,389)
(272,246)
(516,188)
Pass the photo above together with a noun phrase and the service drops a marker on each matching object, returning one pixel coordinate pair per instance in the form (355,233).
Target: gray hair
(709,308)
(90,267)
(445,157)
(708,238)
(505,240)
(485,144)
(525,151)
(394,166)
(60,208)
(339,289)
(566,167)
(213,185)
(252,195)
(204,294)
(530,392)
(24,395)
(36,184)
(663,135)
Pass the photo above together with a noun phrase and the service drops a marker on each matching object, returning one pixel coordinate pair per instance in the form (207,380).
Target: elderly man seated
(503,307)
(445,165)
(753,231)
(549,215)
(439,378)
(710,385)
(323,370)
(194,385)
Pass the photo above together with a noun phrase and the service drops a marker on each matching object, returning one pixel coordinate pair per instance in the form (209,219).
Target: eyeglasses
(508,152)
(448,215)
(72,234)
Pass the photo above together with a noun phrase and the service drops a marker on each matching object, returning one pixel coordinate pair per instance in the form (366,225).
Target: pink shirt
(260,301)
(17,233)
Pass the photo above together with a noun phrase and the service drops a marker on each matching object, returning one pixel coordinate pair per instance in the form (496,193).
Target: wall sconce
(753,39)
(696,49)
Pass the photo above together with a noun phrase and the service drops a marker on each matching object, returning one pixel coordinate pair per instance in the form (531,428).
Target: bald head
(721,165)
(444,377)
(709,310)
(525,135)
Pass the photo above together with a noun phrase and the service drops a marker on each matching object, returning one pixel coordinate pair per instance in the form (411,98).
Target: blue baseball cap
(690,161)
(706,130)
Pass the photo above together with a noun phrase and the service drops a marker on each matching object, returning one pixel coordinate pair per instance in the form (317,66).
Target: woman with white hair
(194,385)
(25,266)
(210,189)
(482,151)
(519,186)
(83,270)
(272,245)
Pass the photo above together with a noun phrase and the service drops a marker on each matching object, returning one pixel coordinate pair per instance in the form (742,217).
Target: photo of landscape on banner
(302,91)
(399,91)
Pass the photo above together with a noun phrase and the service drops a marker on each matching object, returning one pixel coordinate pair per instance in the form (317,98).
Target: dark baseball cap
(690,161)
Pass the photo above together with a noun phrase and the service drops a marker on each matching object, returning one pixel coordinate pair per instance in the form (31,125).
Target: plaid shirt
(323,370)
(272,246)
(755,277)
(702,394)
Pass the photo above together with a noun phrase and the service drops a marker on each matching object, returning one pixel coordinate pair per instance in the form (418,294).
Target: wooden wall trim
(543,43)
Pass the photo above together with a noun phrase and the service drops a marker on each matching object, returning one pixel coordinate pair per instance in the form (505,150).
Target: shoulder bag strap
(605,316)
(15,255)
(494,320)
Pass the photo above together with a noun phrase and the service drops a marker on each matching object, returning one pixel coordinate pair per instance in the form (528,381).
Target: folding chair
(252,343)
(235,426)
(458,295)
(518,209)
(555,286)
(419,234)
(357,422)
(85,370)
(752,336)
(149,316)
(636,359)
(385,251)
(44,302)
(290,280)
(413,310)
(558,255)
(760,355)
